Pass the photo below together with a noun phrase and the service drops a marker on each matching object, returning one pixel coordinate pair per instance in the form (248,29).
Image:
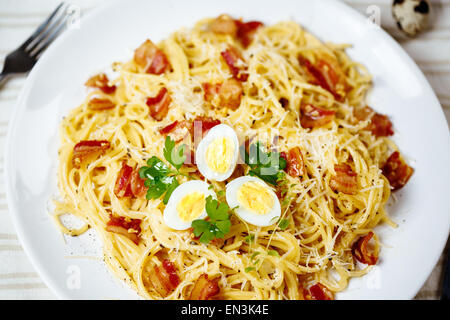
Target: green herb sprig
(158,176)
(218,223)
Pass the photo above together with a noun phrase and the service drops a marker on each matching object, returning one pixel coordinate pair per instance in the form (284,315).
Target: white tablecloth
(18,19)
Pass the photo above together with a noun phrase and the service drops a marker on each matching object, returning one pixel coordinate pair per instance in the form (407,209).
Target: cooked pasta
(328,208)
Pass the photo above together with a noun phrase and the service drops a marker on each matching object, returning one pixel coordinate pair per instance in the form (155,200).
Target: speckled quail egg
(186,204)
(256,202)
(216,155)
(411,15)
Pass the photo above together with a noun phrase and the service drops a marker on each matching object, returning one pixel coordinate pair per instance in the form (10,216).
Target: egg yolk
(255,197)
(191,206)
(218,154)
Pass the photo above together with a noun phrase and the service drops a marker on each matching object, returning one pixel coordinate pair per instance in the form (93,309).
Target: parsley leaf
(217,226)
(170,189)
(249,269)
(253,256)
(267,166)
(158,177)
(174,157)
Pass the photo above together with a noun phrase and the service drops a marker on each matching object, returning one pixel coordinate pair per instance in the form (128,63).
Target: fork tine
(41,27)
(49,39)
(48,31)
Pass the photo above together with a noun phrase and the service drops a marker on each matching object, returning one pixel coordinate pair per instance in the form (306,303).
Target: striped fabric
(18,18)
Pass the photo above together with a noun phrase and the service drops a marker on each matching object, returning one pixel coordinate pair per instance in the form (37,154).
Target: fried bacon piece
(230,94)
(227,94)
(318,292)
(380,125)
(177,130)
(211,91)
(122,188)
(397,171)
(235,62)
(129,183)
(99,104)
(130,228)
(164,279)
(345,179)
(159,105)
(204,124)
(204,288)
(361,252)
(328,74)
(295,164)
(314,117)
(100,81)
(138,188)
(88,149)
(246,31)
(243,31)
(364,113)
(151,58)
(190,157)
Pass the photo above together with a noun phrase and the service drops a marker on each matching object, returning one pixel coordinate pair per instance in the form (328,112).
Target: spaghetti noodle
(303,95)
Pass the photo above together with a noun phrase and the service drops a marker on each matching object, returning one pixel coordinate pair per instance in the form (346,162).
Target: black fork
(24,57)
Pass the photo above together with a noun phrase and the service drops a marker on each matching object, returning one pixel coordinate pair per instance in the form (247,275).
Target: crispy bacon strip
(151,58)
(361,252)
(380,125)
(206,123)
(246,31)
(99,104)
(159,105)
(230,94)
(345,179)
(233,58)
(137,185)
(364,113)
(201,126)
(243,31)
(227,94)
(295,164)
(122,187)
(314,117)
(129,183)
(88,149)
(211,91)
(397,171)
(318,292)
(204,288)
(177,130)
(190,157)
(130,228)
(327,74)
(164,279)
(100,81)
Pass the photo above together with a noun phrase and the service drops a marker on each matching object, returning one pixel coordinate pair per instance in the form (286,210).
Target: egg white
(251,217)
(219,131)
(171,216)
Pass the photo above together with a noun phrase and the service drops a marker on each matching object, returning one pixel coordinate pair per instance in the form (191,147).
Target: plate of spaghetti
(214,151)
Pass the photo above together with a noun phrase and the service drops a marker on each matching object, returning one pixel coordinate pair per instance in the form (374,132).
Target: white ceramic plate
(112,32)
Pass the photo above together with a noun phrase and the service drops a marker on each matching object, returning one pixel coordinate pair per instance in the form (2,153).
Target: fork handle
(3,78)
